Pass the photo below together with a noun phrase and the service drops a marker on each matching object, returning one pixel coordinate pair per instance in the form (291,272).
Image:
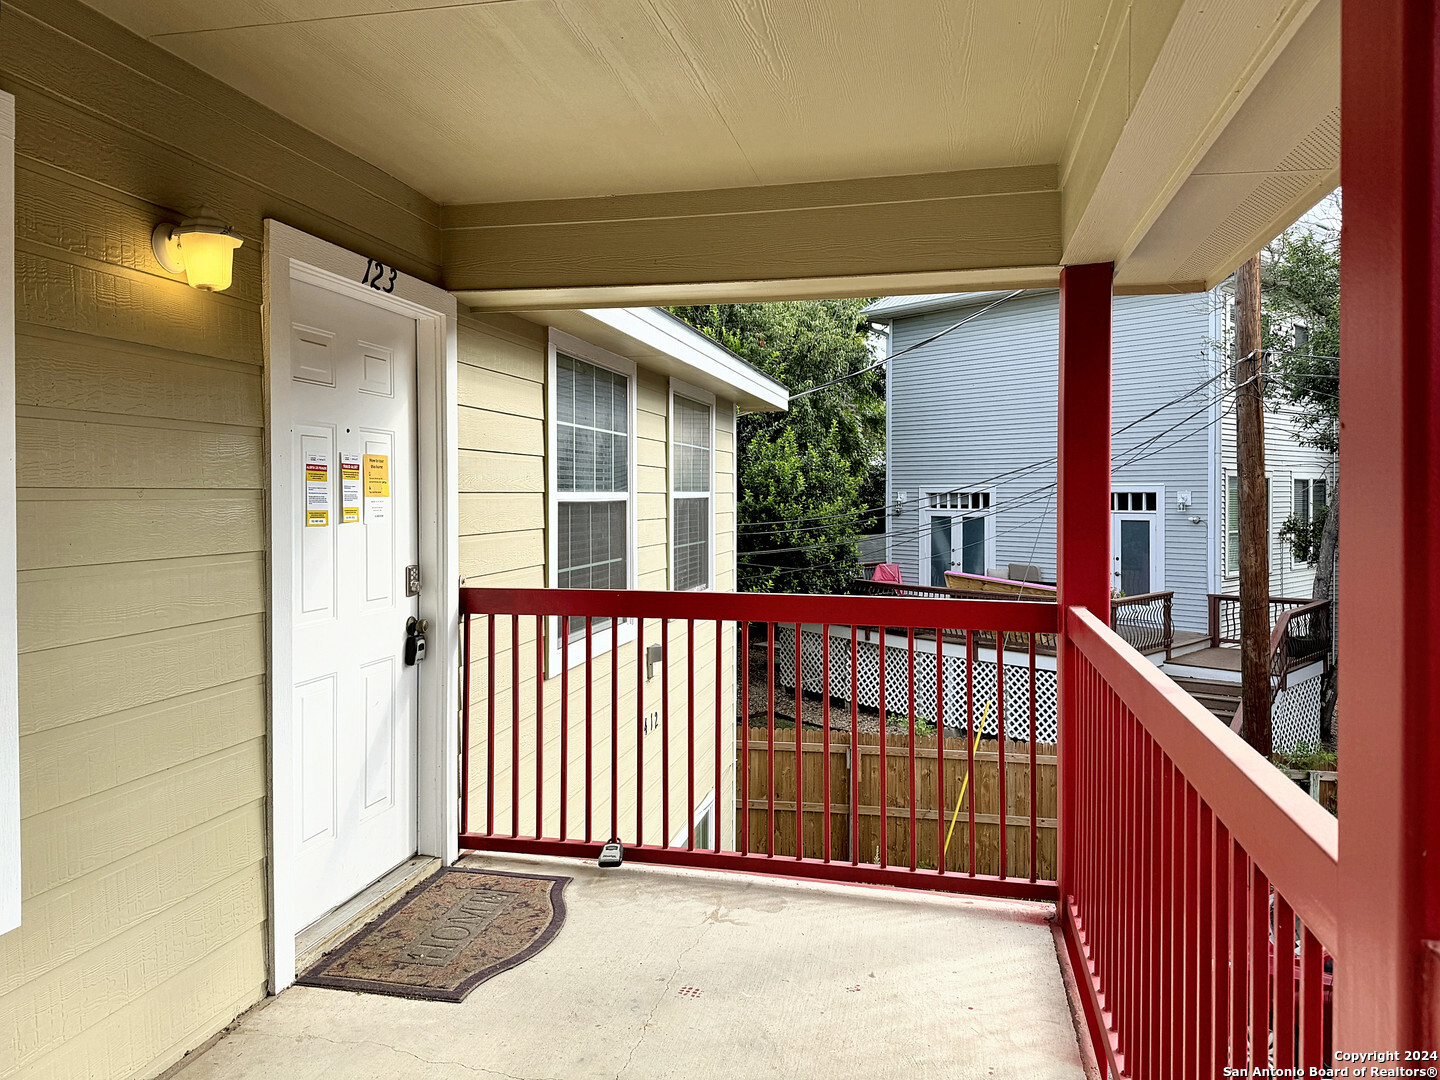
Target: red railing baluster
(854,747)
(589,729)
(690,735)
(770,740)
(883,702)
(719,771)
(1204,945)
(1034,824)
(665,733)
(910,710)
(564,629)
(1312,1003)
(1260,959)
(1283,935)
(940,751)
(614,729)
(825,735)
(465,724)
(1002,734)
(640,730)
(1239,955)
(1224,974)
(539,730)
(743,668)
(799,757)
(490,696)
(972,734)
(514,726)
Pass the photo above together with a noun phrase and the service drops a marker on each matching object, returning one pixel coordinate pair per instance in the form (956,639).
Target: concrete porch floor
(795,980)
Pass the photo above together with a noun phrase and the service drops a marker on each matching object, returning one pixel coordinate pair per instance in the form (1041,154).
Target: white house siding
(1285,461)
(980,402)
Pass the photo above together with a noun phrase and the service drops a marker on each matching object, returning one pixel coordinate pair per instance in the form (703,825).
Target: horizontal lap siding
(976,408)
(140,464)
(503,512)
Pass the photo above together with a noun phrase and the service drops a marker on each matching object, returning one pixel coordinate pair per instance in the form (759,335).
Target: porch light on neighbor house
(201,248)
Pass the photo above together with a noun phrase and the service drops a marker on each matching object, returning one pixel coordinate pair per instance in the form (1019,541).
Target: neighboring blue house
(971,445)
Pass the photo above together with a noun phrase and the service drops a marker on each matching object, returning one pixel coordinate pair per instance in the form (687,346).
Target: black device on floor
(612,854)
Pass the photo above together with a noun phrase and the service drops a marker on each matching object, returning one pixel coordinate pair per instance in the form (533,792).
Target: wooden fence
(862,823)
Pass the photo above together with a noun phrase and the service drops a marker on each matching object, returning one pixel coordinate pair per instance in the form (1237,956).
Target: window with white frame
(960,500)
(692,442)
(592,471)
(1308,505)
(1232,522)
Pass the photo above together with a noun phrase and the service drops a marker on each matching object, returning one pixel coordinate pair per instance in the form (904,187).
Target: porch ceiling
(626,151)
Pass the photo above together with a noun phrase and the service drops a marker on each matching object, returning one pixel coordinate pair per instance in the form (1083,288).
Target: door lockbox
(415,630)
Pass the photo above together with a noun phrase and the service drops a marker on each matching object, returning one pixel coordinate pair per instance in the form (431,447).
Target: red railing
(1195,872)
(634,737)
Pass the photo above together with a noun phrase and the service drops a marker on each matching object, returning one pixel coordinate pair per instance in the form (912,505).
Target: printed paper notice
(377,486)
(317,490)
(349,488)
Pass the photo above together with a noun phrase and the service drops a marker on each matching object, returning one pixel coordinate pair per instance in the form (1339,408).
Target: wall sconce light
(201,248)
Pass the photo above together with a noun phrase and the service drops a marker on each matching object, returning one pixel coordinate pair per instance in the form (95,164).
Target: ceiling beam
(1170,77)
(977,229)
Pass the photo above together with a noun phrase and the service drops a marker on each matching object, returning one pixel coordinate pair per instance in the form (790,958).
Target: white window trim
(9,634)
(1157,534)
(601,639)
(704,397)
(1226,574)
(926,512)
(1300,564)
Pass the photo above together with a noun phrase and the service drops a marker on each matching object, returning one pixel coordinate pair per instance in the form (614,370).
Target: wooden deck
(1225,658)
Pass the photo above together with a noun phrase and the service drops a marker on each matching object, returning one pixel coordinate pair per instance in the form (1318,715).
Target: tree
(807,477)
(1300,281)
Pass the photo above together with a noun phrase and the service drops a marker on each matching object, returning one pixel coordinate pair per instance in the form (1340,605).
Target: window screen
(592,466)
(690,480)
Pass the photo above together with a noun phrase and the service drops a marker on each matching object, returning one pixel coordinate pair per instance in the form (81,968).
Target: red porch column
(1387,975)
(1083,473)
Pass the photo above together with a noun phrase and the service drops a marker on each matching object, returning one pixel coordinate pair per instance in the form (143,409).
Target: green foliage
(1304,536)
(1305,757)
(1300,283)
(805,476)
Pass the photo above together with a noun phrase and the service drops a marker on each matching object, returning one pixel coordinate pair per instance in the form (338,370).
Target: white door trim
(293,255)
(1156,518)
(926,512)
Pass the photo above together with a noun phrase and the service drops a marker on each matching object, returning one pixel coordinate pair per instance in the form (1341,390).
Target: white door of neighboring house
(355,700)
(1137,541)
(958,534)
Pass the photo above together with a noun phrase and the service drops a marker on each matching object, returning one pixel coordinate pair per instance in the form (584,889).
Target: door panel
(1134,557)
(356,703)
(941,552)
(972,538)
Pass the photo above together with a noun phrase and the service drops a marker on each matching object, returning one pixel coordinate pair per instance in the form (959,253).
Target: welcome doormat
(447,936)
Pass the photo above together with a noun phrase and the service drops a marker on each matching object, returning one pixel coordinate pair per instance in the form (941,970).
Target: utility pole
(1254,513)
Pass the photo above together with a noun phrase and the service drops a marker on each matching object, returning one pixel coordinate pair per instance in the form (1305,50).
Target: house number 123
(375,275)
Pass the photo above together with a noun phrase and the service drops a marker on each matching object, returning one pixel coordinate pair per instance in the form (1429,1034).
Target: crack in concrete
(705,928)
(480,1069)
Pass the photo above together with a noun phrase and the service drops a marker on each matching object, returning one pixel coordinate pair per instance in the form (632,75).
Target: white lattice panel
(1295,715)
(897,682)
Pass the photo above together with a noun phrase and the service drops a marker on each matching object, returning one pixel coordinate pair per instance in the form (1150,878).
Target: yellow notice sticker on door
(377,486)
(317,490)
(349,488)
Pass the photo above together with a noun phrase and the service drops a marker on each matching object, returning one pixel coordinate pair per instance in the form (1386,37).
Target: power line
(1021,501)
(754,527)
(1024,495)
(908,348)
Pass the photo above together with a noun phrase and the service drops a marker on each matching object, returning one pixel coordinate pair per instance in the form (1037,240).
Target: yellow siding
(503,542)
(140,467)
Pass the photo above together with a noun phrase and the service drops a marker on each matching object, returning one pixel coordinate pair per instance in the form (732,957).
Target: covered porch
(664,972)
(1209,910)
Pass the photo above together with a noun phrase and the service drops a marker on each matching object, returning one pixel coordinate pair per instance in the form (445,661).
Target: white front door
(352,390)
(1136,554)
